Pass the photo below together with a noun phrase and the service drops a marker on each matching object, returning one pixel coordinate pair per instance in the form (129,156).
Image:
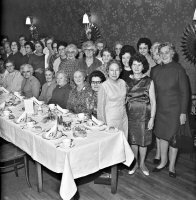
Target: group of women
(126,91)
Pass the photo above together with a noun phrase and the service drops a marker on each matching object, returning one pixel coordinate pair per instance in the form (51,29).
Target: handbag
(183,139)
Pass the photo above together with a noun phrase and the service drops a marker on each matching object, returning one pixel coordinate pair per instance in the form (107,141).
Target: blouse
(46,92)
(81,101)
(30,87)
(13,81)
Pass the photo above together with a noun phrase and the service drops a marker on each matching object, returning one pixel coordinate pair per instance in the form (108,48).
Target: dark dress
(138,111)
(125,75)
(172,97)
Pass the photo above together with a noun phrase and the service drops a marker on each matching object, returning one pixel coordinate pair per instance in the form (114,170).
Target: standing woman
(37,60)
(141,108)
(126,53)
(172,94)
(111,99)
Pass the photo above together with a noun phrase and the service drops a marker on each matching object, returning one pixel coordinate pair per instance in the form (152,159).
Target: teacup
(81,116)
(51,106)
(6,113)
(30,124)
(67,142)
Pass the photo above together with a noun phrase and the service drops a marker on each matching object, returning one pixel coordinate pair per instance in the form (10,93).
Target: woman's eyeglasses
(25,72)
(95,82)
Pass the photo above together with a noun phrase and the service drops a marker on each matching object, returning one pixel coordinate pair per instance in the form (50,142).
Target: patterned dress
(138,111)
(79,101)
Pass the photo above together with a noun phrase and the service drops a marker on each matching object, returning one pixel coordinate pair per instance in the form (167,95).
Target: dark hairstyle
(21,36)
(30,44)
(9,61)
(146,41)
(55,42)
(109,51)
(39,42)
(49,69)
(113,62)
(17,43)
(126,49)
(142,59)
(97,73)
(61,43)
(49,38)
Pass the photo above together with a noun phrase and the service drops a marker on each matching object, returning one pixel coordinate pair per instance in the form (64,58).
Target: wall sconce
(32,28)
(88,26)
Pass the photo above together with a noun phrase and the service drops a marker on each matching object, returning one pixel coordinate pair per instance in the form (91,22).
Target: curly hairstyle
(146,41)
(141,59)
(96,73)
(114,62)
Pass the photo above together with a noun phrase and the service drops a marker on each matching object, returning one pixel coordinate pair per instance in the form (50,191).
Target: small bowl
(51,106)
(81,116)
(6,113)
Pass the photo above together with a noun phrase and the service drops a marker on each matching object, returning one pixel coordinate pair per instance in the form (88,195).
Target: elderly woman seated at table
(95,79)
(49,86)
(13,79)
(30,85)
(61,93)
(81,97)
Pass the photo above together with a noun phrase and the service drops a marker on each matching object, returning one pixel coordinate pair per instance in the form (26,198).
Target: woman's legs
(172,158)
(143,151)
(164,151)
(158,151)
(135,152)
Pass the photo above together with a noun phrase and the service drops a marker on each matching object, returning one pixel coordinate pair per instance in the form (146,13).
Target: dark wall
(125,20)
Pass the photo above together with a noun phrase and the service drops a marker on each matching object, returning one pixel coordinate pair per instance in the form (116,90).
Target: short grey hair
(30,67)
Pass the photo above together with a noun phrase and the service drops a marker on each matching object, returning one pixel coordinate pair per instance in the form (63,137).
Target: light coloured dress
(111,104)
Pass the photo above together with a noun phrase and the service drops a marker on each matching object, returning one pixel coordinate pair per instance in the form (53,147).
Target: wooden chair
(13,157)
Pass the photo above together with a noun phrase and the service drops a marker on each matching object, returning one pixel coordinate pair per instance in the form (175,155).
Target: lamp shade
(28,21)
(194,16)
(85,19)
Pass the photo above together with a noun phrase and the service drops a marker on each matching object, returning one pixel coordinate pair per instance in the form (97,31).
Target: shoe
(130,172)
(156,161)
(158,169)
(172,174)
(145,172)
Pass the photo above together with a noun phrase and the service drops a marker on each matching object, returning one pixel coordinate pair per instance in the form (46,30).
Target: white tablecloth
(97,151)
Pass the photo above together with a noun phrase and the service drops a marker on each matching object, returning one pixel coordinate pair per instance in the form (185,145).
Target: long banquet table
(98,150)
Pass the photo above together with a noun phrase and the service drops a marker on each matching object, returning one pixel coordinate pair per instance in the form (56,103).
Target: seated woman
(30,85)
(81,97)
(111,99)
(3,72)
(107,56)
(95,79)
(49,86)
(13,79)
(61,93)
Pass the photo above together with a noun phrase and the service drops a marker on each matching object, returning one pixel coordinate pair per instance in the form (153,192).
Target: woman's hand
(182,118)
(151,123)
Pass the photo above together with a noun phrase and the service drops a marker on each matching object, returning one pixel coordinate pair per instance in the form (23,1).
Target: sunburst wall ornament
(188,43)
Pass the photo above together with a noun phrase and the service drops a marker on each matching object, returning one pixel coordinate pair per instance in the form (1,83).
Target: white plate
(48,137)
(95,128)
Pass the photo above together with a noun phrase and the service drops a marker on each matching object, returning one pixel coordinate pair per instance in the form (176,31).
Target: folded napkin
(22,117)
(98,122)
(2,105)
(4,90)
(37,101)
(18,95)
(64,111)
(53,130)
